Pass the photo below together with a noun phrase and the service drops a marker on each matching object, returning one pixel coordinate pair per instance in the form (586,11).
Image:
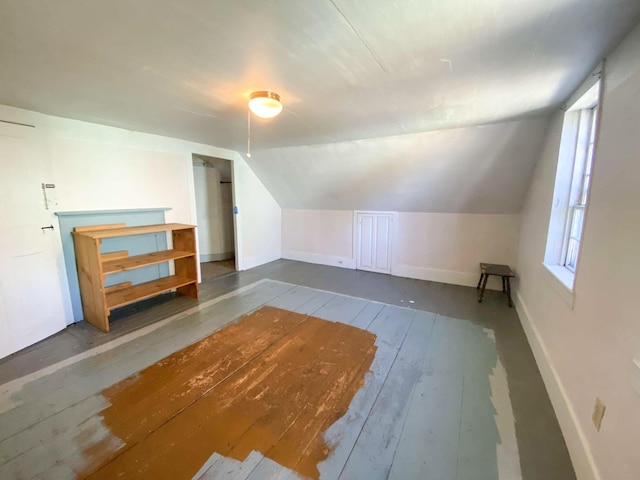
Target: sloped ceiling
(483,169)
(347,71)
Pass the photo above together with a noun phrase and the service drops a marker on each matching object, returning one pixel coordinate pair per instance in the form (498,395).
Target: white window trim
(557,274)
(577,184)
(562,280)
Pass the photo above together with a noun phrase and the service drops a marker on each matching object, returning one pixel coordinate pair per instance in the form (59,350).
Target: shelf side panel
(90,280)
(190,290)
(187,267)
(185,239)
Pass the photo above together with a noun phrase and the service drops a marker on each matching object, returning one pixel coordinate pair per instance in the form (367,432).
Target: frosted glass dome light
(265,104)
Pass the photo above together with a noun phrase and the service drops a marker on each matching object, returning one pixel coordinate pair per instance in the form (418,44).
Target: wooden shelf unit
(93,267)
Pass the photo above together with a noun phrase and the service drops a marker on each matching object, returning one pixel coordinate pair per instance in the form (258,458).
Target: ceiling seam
(373,54)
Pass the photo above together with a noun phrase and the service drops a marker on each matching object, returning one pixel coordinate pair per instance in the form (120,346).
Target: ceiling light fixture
(265,104)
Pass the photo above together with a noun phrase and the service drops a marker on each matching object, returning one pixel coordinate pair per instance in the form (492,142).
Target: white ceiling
(345,69)
(483,169)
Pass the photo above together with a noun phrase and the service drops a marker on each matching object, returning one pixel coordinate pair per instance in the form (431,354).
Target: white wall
(93,175)
(429,246)
(458,192)
(318,236)
(447,247)
(586,352)
(103,168)
(214,205)
(260,217)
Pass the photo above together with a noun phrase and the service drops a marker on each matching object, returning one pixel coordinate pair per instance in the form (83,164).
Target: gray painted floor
(437,412)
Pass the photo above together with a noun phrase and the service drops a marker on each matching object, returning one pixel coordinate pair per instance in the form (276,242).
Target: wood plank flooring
(211,270)
(435,403)
(271,383)
(440,400)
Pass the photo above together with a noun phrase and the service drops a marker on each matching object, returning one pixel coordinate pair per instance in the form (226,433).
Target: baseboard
(216,257)
(408,271)
(466,279)
(579,451)
(331,260)
(252,262)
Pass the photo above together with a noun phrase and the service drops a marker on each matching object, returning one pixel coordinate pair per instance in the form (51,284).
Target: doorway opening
(213,180)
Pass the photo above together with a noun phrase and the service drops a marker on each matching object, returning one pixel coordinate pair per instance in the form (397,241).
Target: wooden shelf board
(153,258)
(127,231)
(145,290)
(107,257)
(118,286)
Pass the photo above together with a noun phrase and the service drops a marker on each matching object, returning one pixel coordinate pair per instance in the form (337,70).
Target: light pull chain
(248,134)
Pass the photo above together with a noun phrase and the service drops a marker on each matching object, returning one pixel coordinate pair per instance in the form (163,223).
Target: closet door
(373,241)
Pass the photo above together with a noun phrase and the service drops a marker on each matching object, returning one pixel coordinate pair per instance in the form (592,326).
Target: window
(571,190)
(580,190)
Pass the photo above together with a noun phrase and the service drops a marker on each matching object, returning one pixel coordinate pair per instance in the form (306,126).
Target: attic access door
(374,241)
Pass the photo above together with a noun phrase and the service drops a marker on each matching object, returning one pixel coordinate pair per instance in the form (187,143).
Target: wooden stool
(503,271)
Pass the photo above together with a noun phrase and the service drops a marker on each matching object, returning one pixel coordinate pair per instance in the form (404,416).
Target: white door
(373,241)
(30,297)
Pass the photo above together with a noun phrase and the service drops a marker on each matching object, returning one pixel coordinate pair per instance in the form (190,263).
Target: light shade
(265,104)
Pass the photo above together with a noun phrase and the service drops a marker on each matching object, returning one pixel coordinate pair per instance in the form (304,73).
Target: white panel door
(383,243)
(366,237)
(30,297)
(373,242)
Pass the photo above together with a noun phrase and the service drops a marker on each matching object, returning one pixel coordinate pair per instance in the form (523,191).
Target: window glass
(575,219)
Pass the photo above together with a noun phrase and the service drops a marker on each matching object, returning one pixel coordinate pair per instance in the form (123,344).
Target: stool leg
(484,285)
(504,287)
(509,292)
(480,281)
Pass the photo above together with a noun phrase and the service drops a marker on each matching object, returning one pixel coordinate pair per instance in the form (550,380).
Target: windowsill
(562,280)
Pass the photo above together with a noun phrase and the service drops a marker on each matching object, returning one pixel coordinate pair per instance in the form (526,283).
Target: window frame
(571,187)
(581,181)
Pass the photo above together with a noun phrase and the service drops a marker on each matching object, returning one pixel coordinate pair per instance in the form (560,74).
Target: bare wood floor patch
(273,382)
